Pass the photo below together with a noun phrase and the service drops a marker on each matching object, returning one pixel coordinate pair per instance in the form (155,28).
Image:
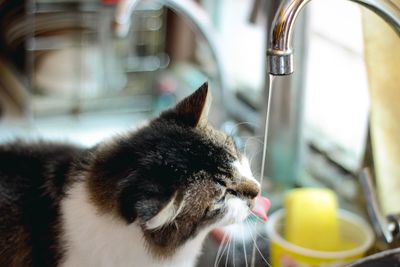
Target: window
(336,103)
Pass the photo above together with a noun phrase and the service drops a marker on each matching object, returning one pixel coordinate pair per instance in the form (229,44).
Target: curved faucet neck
(280,54)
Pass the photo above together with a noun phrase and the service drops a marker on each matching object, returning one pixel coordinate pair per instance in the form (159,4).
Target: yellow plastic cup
(352,230)
(312,212)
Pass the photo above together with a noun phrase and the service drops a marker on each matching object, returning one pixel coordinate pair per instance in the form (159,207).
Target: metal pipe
(285,133)
(386,228)
(280,52)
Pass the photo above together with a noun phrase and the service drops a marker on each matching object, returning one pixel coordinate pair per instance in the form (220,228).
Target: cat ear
(192,110)
(167,214)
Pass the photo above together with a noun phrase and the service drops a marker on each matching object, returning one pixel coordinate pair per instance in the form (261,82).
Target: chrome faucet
(280,62)
(280,52)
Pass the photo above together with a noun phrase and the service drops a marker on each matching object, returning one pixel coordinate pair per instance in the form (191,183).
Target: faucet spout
(280,53)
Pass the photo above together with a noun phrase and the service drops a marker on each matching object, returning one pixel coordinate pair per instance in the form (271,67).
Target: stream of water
(264,153)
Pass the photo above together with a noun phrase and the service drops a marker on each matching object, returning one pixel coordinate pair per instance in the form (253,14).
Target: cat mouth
(261,207)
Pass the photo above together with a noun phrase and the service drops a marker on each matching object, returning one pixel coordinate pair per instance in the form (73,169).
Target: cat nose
(249,188)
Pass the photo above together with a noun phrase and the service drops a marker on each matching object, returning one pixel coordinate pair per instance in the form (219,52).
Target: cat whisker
(258,138)
(255,137)
(244,246)
(233,252)
(223,252)
(252,158)
(225,246)
(256,217)
(234,128)
(221,245)
(259,251)
(227,253)
(256,173)
(247,142)
(253,225)
(253,251)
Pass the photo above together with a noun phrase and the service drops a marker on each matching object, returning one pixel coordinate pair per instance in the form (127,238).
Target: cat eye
(232,192)
(227,191)
(220,182)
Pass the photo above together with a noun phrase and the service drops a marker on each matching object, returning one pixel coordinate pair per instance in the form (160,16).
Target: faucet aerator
(280,64)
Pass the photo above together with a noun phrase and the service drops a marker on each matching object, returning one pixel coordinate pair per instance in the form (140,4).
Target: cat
(147,198)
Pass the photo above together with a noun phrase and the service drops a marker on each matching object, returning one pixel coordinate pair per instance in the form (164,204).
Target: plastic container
(352,229)
(311,212)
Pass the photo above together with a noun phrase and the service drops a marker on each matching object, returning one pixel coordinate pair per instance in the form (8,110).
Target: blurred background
(82,70)
(71,71)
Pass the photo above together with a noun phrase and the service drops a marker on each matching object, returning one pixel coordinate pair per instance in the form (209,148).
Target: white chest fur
(93,239)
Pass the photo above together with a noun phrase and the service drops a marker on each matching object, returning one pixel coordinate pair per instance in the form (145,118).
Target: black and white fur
(146,198)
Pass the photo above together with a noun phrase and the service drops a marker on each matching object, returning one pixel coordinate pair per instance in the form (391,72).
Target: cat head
(175,177)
